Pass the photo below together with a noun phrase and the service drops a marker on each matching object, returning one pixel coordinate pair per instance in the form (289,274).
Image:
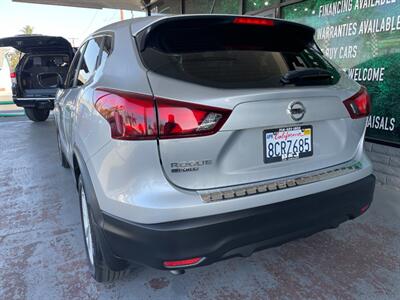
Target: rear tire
(36,114)
(99,268)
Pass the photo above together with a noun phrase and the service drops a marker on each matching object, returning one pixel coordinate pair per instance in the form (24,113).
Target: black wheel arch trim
(111,259)
(88,185)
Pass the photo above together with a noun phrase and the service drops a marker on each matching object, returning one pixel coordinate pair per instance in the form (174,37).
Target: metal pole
(242,7)
(212,7)
(148,6)
(183,8)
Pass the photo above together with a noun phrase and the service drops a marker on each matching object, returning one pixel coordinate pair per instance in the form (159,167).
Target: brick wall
(386,161)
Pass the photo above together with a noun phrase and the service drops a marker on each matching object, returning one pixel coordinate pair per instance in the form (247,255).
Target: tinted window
(47,61)
(69,81)
(89,61)
(225,55)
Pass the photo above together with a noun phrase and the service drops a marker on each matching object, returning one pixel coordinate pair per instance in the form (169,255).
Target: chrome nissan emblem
(296,110)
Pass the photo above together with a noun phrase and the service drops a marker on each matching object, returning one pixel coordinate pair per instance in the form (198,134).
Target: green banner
(362,37)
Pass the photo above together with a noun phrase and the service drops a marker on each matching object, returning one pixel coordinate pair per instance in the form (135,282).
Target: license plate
(288,143)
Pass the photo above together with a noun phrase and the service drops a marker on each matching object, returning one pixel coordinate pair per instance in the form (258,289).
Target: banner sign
(363,38)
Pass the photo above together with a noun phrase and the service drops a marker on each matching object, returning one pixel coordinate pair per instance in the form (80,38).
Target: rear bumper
(40,103)
(237,233)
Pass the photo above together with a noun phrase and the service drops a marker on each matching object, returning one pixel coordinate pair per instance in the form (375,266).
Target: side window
(89,61)
(105,51)
(69,81)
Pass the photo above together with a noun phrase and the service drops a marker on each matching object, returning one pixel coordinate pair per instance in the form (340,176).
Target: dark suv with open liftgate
(41,70)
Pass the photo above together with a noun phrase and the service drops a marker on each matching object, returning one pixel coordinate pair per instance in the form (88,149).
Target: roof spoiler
(197,29)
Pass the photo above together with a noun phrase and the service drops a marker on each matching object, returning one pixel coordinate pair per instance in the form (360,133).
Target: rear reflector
(13,75)
(253,21)
(359,105)
(183,263)
(138,117)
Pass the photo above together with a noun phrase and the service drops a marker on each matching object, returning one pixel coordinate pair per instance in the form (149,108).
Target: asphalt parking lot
(42,252)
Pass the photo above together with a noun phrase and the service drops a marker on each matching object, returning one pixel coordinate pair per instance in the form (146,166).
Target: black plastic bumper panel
(237,233)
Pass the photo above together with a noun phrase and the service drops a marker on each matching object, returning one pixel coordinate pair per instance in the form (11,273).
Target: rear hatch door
(233,64)
(38,44)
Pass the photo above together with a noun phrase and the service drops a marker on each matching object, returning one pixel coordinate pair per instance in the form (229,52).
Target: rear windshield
(232,56)
(47,61)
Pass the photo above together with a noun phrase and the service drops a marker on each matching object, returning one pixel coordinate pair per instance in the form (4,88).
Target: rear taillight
(13,77)
(133,116)
(253,21)
(359,105)
(181,119)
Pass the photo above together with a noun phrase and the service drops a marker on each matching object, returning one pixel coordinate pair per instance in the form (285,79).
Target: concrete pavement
(42,252)
(9,109)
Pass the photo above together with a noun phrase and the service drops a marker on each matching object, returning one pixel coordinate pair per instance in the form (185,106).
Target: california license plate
(282,144)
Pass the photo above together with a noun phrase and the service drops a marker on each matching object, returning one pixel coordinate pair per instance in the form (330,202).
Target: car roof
(137,23)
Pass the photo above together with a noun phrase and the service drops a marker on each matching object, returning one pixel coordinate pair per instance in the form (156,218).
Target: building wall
(5,81)
(386,161)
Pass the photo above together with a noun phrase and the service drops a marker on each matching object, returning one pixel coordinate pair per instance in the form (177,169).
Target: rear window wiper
(311,76)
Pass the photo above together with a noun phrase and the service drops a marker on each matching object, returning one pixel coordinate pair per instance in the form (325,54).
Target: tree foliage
(14,56)
(27,29)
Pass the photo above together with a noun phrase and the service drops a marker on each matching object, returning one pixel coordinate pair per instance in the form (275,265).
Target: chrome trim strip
(280,184)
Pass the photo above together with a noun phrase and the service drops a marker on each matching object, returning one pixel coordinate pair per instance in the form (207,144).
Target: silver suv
(193,139)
